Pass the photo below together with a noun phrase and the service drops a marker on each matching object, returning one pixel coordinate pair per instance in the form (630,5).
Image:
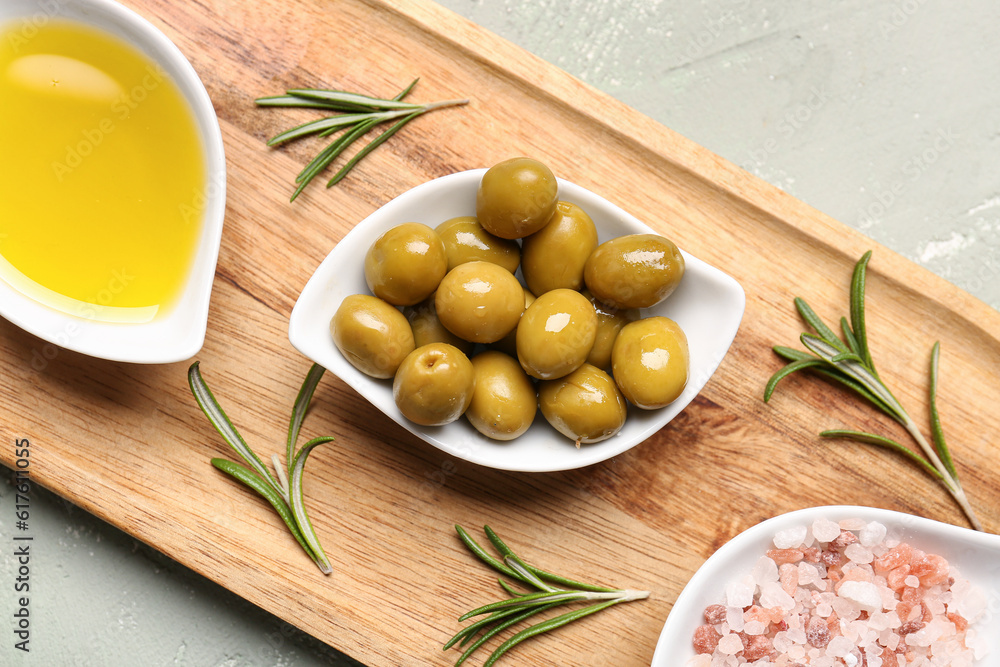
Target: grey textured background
(881,114)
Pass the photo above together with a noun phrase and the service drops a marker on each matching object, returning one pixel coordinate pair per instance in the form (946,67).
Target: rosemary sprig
(359,114)
(849,362)
(520,606)
(283,490)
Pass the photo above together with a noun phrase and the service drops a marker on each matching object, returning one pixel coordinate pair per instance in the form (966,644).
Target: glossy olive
(504,402)
(405,264)
(371,334)
(465,240)
(516,197)
(555,334)
(427,328)
(508,344)
(585,405)
(479,302)
(650,362)
(635,271)
(609,322)
(554,256)
(434,384)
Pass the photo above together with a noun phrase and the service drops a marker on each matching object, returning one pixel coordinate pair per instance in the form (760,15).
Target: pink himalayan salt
(730,644)
(883,603)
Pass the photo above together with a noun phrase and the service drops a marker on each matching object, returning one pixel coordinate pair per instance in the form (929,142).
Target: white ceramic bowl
(976,555)
(708,305)
(178,333)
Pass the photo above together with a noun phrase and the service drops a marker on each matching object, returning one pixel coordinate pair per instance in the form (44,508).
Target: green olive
(636,271)
(465,240)
(504,402)
(585,405)
(427,328)
(650,362)
(609,322)
(371,334)
(516,197)
(434,384)
(508,344)
(555,255)
(405,264)
(479,302)
(556,333)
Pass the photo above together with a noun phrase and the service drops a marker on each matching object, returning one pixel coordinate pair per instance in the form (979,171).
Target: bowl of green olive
(517,320)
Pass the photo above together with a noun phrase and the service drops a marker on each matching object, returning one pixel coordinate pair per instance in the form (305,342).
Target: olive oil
(102,176)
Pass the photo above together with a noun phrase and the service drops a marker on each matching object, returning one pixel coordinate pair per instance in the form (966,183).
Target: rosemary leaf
(298,507)
(849,337)
(856,370)
(499,544)
(247,477)
(851,364)
(359,115)
(788,370)
(299,409)
(323,124)
(858,310)
(500,627)
(548,576)
(881,441)
(406,91)
(294,101)
(330,153)
(216,415)
(375,143)
(828,371)
(350,99)
(518,566)
(510,590)
(529,600)
(520,606)
(545,626)
(285,493)
(484,556)
(813,320)
(938,434)
(791,354)
(470,631)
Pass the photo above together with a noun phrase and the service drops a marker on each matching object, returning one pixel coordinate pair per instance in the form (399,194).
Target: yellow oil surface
(102,176)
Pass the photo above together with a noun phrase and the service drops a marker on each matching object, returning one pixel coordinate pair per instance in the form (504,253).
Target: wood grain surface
(129,444)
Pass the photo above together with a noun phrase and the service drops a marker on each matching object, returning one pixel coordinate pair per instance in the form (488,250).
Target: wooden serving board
(129,443)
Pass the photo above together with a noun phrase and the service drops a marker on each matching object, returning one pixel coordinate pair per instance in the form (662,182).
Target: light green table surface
(885,115)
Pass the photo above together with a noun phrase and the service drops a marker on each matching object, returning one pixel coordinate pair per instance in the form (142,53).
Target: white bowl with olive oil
(112,183)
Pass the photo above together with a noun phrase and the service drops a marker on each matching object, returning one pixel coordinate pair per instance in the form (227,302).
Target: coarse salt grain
(740,593)
(764,571)
(825,530)
(862,593)
(858,553)
(730,644)
(790,537)
(841,586)
(872,534)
